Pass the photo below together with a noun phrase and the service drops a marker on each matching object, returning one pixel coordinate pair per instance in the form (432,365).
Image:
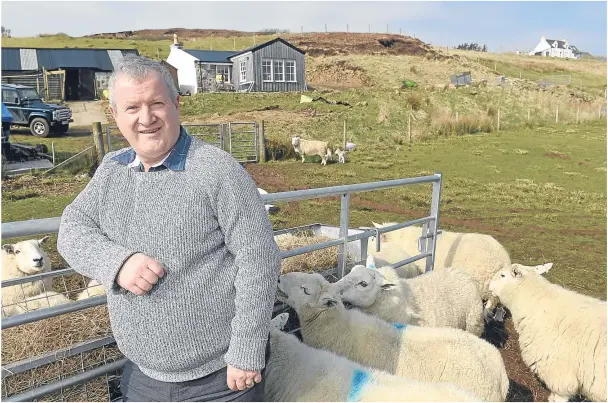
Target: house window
(223,72)
(279,70)
(243,71)
(290,71)
(267,70)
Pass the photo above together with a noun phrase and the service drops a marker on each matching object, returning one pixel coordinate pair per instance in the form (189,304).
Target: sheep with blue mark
(297,372)
(449,298)
(562,334)
(414,352)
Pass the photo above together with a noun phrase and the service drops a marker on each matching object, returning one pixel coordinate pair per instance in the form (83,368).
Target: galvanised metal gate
(94,366)
(238,138)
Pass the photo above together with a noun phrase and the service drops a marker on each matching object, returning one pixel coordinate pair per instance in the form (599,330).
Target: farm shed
(271,66)
(70,74)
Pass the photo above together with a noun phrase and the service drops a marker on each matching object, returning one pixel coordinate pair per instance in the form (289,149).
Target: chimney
(175,42)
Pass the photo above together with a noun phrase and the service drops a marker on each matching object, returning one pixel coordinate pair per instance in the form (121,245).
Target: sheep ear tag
(543,268)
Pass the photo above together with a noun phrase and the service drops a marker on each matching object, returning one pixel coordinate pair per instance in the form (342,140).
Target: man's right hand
(139,273)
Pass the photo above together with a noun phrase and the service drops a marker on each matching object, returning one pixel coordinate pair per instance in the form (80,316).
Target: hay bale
(314,261)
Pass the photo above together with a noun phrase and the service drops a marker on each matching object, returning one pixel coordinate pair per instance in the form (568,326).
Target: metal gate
(240,139)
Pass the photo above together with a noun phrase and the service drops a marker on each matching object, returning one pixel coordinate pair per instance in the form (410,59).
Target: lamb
(449,298)
(44,300)
(297,372)
(562,334)
(20,260)
(480,255)
(341,154)
(93,289)
(311,147)
(415,352)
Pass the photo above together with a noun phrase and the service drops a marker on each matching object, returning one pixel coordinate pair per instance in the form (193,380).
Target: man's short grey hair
(138,68)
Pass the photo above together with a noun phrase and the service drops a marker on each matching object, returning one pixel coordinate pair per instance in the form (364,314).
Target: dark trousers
(135,386)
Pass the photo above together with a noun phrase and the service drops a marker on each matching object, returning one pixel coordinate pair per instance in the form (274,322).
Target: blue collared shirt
(175,160)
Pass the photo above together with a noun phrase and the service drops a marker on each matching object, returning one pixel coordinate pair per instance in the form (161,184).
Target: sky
(504,26)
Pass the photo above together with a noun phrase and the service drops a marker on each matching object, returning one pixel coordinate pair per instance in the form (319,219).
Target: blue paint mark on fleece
(360,379)
(398,326)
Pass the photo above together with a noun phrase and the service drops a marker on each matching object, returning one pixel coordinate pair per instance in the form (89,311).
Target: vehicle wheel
(39,127)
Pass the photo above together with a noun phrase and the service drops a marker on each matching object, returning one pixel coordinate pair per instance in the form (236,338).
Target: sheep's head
(30,258)
(512,276)
(295,141)
(362,286)
(306,292)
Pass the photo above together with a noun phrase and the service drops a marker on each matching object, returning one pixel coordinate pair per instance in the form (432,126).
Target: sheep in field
(562,334)
(341,156)
(297,372)
(449,298)
(480,255)
(311,147)
(20,260)
(419,353)
(94,288)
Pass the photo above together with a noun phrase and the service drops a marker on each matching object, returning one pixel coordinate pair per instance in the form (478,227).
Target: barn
(62,74)
(273,66)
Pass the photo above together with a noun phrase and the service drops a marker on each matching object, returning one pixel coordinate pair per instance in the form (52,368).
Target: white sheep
(341,154)
(20,260)
(480,255)
(297,372)
(562,334)
(449,298)
(390,254)
(93,289)
(311,147)
(415,352)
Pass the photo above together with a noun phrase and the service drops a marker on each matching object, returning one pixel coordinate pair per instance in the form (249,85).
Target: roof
(560,44)
(16,59)
(210,56)
(15,86)
(263,45)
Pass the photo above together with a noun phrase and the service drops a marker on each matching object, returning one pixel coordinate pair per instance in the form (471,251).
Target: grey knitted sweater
(208,226)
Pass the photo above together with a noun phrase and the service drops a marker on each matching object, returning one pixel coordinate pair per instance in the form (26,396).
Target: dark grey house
(71,74)
(272,66)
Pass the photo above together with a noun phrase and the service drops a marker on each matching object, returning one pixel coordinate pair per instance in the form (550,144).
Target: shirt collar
(175,160)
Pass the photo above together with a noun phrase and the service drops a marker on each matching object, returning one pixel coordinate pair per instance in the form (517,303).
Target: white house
(555,48)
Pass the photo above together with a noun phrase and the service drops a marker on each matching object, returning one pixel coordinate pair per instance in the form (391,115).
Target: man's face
(146,115)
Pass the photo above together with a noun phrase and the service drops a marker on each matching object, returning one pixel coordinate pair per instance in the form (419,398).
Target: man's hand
(237,379)
(139,273)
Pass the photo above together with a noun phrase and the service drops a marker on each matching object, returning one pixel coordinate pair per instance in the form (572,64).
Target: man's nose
(146,116)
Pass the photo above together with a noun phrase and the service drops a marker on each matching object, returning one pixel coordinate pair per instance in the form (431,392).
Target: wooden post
(409,127)
(456,116)
(599,112)
(38,84)
(498,120)
(261,142)
(344,142)
(557,114)
(98,151)
(577,112)
(528,114)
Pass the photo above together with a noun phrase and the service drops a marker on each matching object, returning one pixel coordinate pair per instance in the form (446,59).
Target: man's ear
(177,98)
(113,112)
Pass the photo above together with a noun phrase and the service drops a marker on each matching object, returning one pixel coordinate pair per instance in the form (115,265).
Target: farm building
(272,66)
(70,74)
(555,48)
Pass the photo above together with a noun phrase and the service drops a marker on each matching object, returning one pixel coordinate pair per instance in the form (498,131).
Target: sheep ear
(387,286)
(43,239)
(516,272)
(8,248)
(330,302)
(543,268)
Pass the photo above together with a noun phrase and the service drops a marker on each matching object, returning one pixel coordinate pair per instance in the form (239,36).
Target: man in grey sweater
(176,231)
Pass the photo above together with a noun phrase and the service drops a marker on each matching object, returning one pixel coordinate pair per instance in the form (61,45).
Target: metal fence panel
(93,367)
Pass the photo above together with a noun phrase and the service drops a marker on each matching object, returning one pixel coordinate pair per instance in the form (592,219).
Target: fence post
(409,127)
(528,114)
(557,114)
(108,137)
(98,142)
(261,142)
(498,121)
(432,241)
(577,112)
(342,249)
(344,142)
(53,151)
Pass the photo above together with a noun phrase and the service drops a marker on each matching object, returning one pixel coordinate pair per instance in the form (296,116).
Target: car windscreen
(29,94)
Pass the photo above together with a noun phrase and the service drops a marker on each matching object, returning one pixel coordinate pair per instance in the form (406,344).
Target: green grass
(541,192)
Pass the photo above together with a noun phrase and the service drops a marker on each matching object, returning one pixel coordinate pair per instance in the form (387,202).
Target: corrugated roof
(11,59)
(53,59)
(261,45)
(210,56)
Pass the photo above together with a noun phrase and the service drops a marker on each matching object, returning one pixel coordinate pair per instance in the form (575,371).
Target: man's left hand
(238,379)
